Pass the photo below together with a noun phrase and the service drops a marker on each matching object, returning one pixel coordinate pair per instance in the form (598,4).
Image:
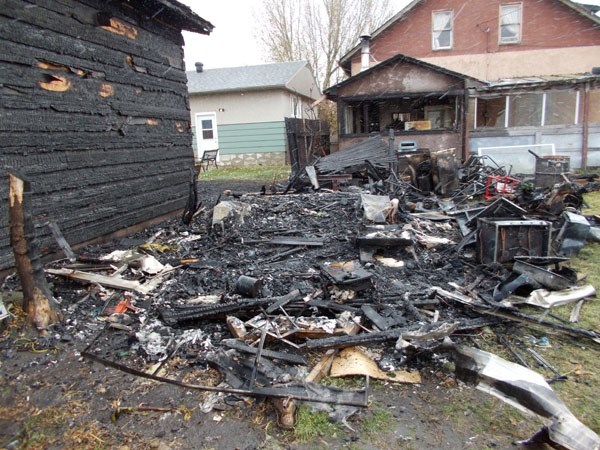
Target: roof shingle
(263,76)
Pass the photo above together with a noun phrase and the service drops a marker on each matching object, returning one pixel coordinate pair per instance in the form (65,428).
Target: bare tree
(320,31)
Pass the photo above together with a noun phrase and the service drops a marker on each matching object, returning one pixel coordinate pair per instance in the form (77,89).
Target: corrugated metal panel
(252,138)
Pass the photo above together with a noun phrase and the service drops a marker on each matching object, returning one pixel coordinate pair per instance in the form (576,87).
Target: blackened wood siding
(97,118)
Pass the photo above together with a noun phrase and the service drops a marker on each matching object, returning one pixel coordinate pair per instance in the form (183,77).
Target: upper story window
(441,30)
(510,23)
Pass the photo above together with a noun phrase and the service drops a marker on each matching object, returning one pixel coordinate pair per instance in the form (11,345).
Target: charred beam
(388,335)
(38,302)
(245,348)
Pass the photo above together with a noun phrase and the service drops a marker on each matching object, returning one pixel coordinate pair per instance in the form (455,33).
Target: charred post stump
(38,302)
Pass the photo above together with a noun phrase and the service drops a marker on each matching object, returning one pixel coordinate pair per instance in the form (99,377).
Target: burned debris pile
(265,295)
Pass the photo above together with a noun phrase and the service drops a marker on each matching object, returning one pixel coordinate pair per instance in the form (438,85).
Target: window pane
(441,30)
(525,110)
(560,107)
(207,134)
(207,124)
(491,112)
(510,23)
(348,125)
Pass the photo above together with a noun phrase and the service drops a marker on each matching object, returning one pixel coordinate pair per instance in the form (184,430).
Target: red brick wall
(545,24)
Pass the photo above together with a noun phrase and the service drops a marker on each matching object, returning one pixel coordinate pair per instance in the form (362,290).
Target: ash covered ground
(168,334)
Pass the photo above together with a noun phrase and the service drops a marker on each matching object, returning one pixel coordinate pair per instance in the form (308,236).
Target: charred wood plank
(388,335)
(294,295)
(331,306)
(104,280)
(298,241)
(243,347)
(380,322)
(62,242)
(197,312)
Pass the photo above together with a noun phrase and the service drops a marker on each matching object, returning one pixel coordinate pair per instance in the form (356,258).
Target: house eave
(173,12)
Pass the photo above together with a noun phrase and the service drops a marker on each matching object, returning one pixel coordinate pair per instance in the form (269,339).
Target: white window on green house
(510,23)
(441,30)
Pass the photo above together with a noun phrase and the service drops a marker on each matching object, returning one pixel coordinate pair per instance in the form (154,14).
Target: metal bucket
(248,286)
(549,170)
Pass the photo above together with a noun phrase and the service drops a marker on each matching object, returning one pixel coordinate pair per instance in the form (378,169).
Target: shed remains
(94,113)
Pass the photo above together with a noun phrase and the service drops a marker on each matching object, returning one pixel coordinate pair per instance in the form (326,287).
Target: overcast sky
(233,43)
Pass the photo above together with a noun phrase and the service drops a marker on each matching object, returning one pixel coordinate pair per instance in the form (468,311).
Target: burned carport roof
(331,92)
(539,81)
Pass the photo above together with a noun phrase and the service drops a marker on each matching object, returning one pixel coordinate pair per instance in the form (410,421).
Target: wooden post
(38,302)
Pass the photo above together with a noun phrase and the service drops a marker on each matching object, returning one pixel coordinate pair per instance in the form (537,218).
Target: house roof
(171,11)
(585,10)
(260,77)
(331,92)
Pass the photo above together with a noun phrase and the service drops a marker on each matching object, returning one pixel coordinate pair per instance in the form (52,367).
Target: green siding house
(241,111)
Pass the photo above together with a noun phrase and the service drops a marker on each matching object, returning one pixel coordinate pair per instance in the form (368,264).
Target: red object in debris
(500,185)
(123,306)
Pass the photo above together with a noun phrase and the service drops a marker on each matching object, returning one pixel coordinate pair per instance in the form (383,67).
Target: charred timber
(388,335)
(188,313)
(38,302)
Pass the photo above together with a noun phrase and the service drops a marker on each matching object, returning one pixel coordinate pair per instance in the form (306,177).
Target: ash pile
(359,271)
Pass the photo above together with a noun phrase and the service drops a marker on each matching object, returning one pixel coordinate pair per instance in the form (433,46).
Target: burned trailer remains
(94,113)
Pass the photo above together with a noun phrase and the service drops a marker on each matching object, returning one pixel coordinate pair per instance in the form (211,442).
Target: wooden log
(38,302)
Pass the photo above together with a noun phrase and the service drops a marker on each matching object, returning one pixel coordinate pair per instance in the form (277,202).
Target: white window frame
(501,15)
(296,107)
(434,30)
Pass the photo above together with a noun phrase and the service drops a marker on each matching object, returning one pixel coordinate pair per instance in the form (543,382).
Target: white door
(206,132)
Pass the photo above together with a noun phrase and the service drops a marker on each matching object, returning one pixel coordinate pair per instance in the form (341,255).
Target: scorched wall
(94,112)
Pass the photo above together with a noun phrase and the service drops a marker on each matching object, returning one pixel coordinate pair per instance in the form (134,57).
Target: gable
(399,77)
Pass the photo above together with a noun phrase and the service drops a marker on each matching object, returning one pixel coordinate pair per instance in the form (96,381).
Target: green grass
(313,424)
(581,360)
(267,174)
(381,421)
(578,359)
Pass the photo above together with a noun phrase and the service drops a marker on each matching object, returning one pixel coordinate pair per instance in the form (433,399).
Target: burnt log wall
(94,113)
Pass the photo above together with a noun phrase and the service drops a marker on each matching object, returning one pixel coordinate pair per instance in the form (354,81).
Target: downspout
(586,126)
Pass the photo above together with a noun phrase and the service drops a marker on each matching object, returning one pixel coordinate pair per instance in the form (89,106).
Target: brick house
(535,60)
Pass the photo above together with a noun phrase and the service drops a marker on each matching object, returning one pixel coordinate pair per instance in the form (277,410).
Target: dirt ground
(53,398)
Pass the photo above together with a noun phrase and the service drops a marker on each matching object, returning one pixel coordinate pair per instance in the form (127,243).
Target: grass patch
(312,424)
(579,359)
(266,174)
(347,383)
(43,428)
(381,421)
(486,416)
